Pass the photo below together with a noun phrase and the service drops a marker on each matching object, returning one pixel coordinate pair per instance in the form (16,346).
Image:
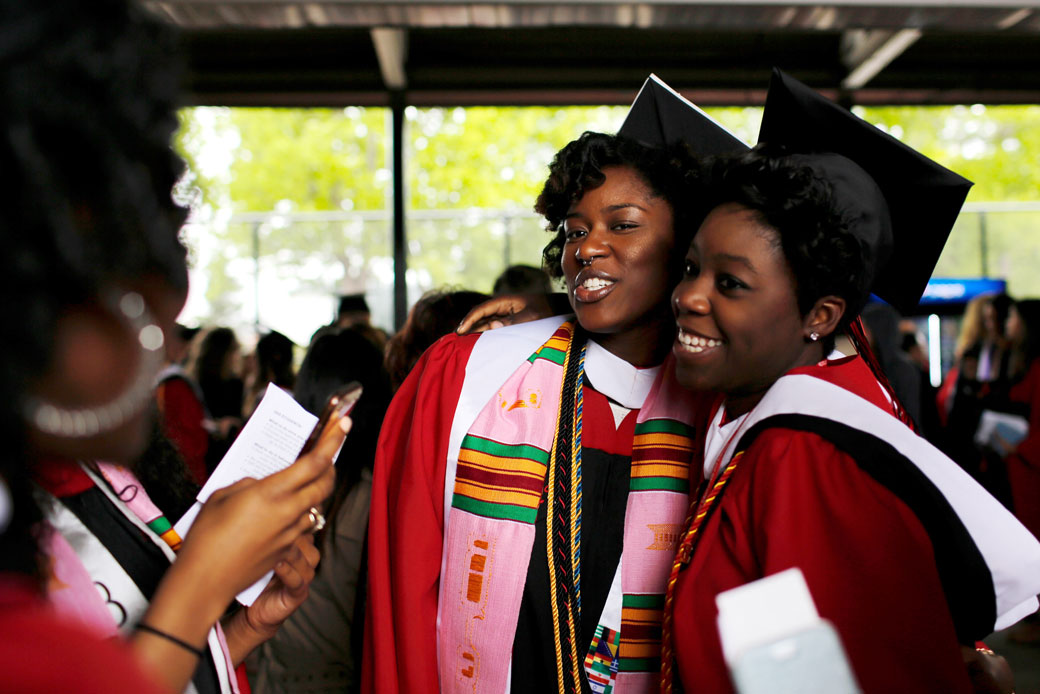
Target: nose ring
(581,261)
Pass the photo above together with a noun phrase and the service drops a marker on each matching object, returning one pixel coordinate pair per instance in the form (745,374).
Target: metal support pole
(507,228)
(256,277)
(397,104)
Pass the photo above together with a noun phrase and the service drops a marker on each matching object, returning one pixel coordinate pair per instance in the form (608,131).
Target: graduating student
(806,460)
(529,481)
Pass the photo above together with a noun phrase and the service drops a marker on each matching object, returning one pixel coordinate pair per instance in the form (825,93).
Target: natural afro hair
(824,257)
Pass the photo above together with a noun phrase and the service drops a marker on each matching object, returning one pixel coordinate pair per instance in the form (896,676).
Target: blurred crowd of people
(207,391)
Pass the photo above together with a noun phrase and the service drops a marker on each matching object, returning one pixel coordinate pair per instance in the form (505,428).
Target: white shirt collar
(611,375)
(718,434)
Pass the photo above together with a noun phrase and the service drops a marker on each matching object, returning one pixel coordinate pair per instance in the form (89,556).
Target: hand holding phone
(338,406)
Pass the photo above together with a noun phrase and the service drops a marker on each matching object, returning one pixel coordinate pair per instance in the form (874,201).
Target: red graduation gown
(406,524)
(182,416)
(1023,466)
(40,652)
(796,500)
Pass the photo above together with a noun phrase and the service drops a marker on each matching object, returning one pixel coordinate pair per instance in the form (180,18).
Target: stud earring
(58,421)
(814,336)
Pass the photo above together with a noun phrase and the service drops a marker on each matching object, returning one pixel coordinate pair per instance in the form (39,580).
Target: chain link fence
(284,271)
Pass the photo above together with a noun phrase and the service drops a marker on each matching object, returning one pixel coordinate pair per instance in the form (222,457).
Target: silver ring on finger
(316,518)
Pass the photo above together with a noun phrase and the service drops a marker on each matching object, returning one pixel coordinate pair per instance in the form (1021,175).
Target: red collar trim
(60,477)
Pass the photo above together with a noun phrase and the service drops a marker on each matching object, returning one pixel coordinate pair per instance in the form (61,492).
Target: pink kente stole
(499,481)
(74,592)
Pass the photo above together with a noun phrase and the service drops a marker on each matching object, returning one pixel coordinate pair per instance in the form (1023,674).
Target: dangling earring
(814,336)
(58,421)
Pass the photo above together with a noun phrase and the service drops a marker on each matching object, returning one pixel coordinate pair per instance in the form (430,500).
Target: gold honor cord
(549,514)
(699,511)
(575,514)
(563,522)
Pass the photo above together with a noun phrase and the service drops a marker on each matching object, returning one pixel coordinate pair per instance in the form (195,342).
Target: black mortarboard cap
(352,302)
(900,204)
(661,117)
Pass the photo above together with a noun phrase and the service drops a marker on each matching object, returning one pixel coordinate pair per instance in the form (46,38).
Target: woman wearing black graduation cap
(806,462)
(529,481)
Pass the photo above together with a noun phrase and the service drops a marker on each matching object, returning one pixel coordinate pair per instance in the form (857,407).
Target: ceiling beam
(866,52)
(392,51)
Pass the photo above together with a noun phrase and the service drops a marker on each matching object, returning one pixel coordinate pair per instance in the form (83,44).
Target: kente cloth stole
(87,584)
(501,475)
(131,492)
(79,560)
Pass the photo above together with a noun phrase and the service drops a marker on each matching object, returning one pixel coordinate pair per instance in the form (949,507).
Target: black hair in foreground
(88,92)
(335,358)
(824,257)
(579,166)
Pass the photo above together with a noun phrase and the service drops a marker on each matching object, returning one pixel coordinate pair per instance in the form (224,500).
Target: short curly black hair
(579,166)
(785,194)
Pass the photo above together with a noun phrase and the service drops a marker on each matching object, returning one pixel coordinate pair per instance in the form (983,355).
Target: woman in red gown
(806,460)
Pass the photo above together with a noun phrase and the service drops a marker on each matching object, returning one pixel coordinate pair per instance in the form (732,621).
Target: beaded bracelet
(172,639)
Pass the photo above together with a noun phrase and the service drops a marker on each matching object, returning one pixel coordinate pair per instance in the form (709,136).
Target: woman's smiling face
(740,327)
(617,258)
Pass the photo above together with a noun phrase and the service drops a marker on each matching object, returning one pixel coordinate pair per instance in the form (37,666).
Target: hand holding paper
(244,525)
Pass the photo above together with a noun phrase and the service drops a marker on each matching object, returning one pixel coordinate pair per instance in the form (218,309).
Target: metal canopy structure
(337,52)
(524,52)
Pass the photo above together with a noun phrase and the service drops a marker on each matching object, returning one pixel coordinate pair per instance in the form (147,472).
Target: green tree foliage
(996,147)
(318,160)
(290,161)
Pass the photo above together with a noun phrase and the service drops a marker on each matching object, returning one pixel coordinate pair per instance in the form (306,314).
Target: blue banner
(959,291)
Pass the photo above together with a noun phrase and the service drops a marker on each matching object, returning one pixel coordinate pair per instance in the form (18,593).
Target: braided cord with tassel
(699,512)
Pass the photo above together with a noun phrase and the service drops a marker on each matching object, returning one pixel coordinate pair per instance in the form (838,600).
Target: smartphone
(339,405)
(811,661)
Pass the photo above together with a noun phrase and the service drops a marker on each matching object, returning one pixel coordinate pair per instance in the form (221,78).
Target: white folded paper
(1010,429)
(270,441)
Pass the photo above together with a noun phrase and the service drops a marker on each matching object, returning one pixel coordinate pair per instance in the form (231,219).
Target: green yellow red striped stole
(503,469)
(555,348)
(131,492)
(502,480)
(640,649)
(661,453)
(499,480)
